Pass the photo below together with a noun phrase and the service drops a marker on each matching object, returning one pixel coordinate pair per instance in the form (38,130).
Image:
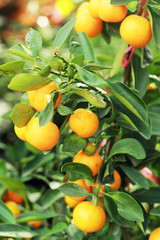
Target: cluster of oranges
(46,137)
(12,200)
(135,30)
(85,123)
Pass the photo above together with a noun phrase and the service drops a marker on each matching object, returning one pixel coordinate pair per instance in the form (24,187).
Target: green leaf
(3,168)
(21,51)
(73,190)
(74,143)
(127,206)
(154,113)
(24,82)
(155,8)
(34,216)
(16,231)
(146,57)
(92,67)
(50,197)
(117,66)
(14,184)
(151,196)
(63,33)
(11,68)
(141,76)
(92,97)
(60,226)
(79,60)
(21,114)
(5,214)
(114,232)
(36,163)
(87,47)
(77,171)
(131,107)
(64,110)
(155,211)
(111,208)
(135,176)
(90,78)
(46,115)
(156,24)
(129,146)
(120,2)
(33,41)
(132,6)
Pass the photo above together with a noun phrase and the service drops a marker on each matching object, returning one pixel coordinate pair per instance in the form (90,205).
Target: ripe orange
(12,196)
(94,162)
(111,13)
(93,8)
(35,224)
(88,217)
(41,97)
(151,86)
(71,202)
(13,207)
(88,24)
(155,235)
(81,183)
(116,185)
(20,132)
(83,7)
(43,138)
(83,122)
(136,31)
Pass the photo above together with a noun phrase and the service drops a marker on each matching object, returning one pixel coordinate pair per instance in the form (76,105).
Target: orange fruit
(111,13)
(35,224)
(83,122)
(136,31)
(151,86)
(94,162)
(93,27)
(93,8)
(43,138)
(13,207)
(71,202)
(83,7)
(12,196)
(20,132)
(155,235)
(116,185)
(88,217)
(41,97)
(81,183)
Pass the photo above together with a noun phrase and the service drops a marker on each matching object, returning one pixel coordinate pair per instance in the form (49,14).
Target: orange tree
(91,140)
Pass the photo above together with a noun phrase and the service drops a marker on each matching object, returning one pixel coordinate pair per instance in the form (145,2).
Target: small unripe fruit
(56,64)
(90,149)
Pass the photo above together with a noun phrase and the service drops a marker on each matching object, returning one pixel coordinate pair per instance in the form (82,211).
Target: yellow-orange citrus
(88,217)
(20,132)
(116,185)
(13,207)
(155,235)
(82,8)
(35,224)
(83,122)
(71,202)
(151,86)
(111,13)
(41,97)
(93,27)
(43,138)
(81,183)
(94,162)
(93,8)
(12,196)
(136,31)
